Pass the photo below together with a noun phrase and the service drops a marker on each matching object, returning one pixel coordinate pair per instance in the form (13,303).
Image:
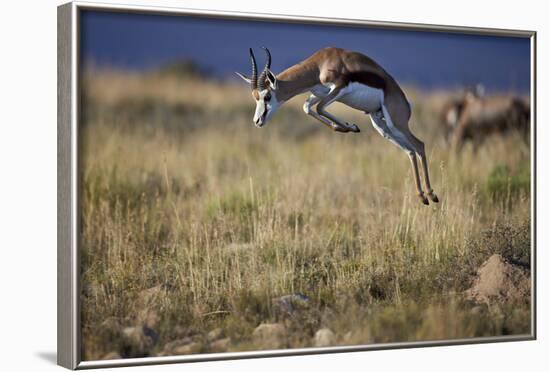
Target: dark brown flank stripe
(371,79)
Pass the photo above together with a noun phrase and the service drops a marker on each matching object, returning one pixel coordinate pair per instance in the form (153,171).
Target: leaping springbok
(333,74)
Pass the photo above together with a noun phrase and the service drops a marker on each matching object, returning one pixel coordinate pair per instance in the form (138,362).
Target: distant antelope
(334,74)
(475,117)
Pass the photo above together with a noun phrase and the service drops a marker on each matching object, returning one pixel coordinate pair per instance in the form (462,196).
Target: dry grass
(180,190)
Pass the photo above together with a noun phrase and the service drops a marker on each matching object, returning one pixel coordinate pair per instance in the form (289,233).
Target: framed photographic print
(236,185)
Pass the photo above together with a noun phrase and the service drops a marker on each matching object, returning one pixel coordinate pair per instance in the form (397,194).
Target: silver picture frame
(68,258)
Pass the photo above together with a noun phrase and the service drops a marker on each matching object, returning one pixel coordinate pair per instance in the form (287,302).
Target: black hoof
(433,196)
(354,128)
(424,199)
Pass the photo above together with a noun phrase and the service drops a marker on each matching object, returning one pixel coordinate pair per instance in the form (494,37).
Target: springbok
(475,117)
(333,74)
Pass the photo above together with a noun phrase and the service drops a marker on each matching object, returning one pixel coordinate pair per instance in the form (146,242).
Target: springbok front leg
(324,102)
(312,101)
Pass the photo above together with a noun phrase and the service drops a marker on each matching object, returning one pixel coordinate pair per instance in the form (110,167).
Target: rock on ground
(214,334)
(111,355)
(324,337)
(498,280)
(219,346)
(270,336)
(182,346)
(192,348)
(170,346)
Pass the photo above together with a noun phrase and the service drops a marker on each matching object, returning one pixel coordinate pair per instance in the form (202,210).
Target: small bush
(502,182)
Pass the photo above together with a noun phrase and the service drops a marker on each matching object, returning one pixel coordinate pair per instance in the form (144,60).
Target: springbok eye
(267,97)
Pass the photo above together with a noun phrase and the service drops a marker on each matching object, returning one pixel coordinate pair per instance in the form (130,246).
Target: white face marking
(266,105)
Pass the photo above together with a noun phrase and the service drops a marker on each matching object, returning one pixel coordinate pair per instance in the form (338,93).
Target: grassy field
(193,221)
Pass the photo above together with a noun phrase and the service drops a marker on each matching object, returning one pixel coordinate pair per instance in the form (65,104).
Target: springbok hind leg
(412,156)
(431,192)
(420,150)
(383,124)
(402,131)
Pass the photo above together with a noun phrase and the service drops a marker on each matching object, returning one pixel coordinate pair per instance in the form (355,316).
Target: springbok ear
(247,79)
(271,79)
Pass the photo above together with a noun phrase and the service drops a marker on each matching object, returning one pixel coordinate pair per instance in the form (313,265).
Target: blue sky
(426,59)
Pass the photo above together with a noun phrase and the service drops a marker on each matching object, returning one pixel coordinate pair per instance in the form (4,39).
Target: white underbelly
(362,97)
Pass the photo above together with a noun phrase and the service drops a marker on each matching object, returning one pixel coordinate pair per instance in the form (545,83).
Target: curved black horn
(268,62)
(261,80)
(254,78)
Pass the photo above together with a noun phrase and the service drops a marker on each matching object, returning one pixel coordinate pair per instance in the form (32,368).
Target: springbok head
(264,89)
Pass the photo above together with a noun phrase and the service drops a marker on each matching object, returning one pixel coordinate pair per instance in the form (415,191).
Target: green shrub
(502,182)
